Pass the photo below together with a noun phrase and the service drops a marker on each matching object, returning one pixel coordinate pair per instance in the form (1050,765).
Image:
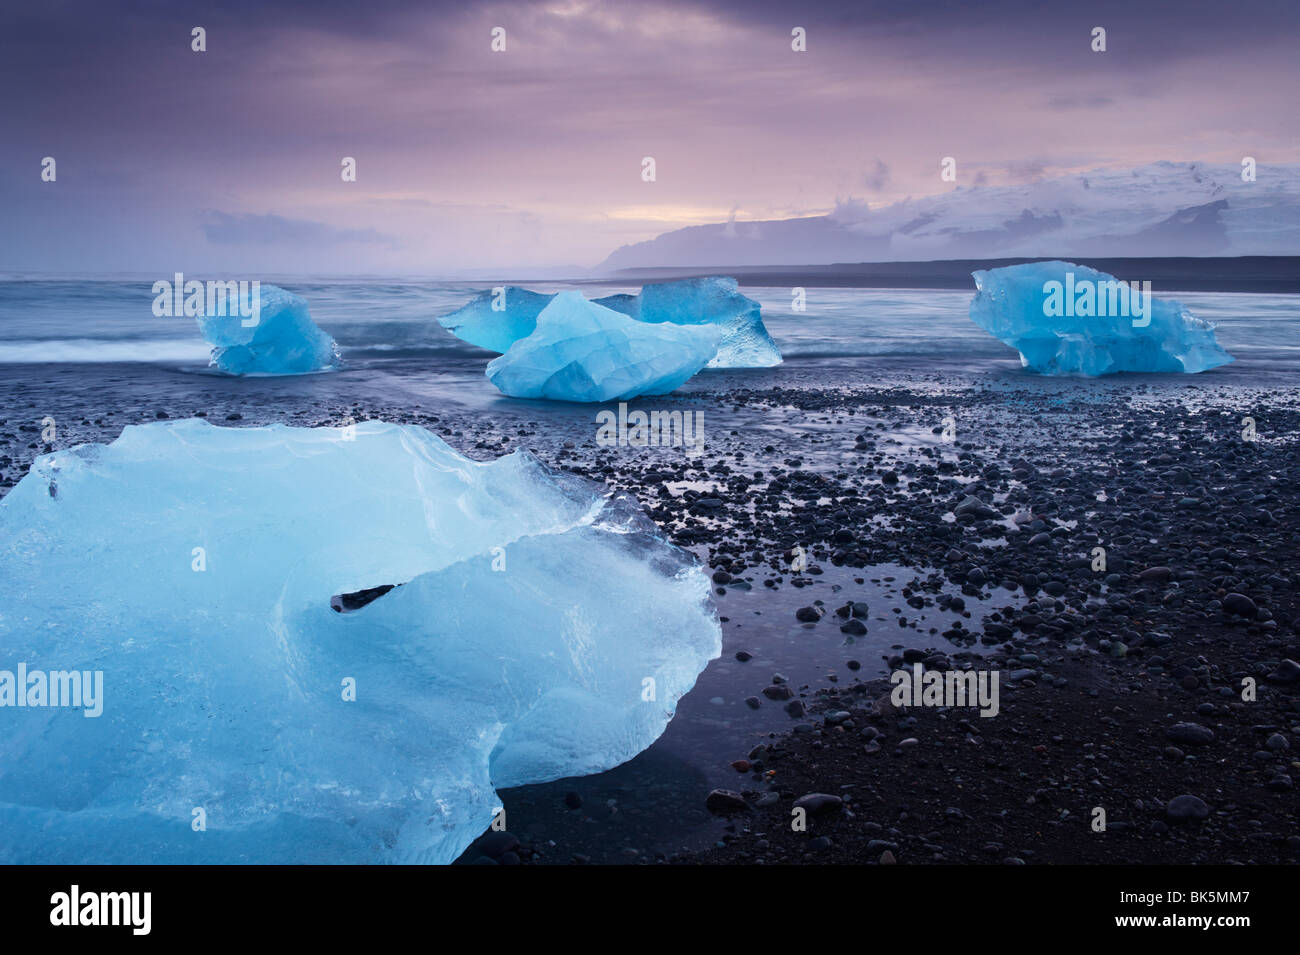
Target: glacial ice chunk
(280,339)
(581,351)
(707,300)
(1068,319)
(193,567)
(496,320)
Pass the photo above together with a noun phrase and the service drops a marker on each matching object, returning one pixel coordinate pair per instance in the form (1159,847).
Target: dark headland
(1249,273)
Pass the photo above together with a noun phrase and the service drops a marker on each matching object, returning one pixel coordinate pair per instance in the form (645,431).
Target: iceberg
(280,339)
(712,300)
(581,351)
(496,321)
(525,625)
(1068,319)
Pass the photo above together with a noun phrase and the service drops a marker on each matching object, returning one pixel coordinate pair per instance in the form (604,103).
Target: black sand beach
(1121,688)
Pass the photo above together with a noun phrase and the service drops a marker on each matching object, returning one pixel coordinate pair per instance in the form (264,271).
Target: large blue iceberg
(1068,319)
(495,320)
(280,338)
(581,351)
(539,628)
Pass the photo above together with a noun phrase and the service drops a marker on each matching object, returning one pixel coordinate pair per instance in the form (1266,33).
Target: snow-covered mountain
(1162,209)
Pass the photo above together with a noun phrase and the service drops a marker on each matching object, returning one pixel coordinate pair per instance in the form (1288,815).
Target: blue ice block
(1068,319)
(280,339)
(539,627)
(581,351)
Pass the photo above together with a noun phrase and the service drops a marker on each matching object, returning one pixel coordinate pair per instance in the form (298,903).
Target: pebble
(1193,734)
(496,844)
(816,804)
(1288,671)
(725,801)
(1187,809)
(1241,605)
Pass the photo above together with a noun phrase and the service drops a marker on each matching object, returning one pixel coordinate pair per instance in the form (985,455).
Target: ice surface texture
(714,300)
(581,351)
(1012,304)
(224,687)
(284,341)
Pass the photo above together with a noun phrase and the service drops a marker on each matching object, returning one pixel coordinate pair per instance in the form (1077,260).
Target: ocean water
(377,322)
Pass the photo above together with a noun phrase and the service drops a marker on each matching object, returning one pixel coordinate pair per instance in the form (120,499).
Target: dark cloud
(266,229)
(878,178)
(1079,101)
(1154,28)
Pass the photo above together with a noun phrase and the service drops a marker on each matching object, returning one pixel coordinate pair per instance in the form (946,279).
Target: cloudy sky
(229,160)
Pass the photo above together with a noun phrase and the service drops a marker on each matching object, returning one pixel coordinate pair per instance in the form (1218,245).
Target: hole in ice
(346,603)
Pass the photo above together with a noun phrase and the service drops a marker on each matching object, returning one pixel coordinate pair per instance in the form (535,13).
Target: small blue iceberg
(496,319)
(279,338)
(581,351)
(1068,319)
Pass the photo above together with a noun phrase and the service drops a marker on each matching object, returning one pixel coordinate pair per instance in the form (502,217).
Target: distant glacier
(1160,209)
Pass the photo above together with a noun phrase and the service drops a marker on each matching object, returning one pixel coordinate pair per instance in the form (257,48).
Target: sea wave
(936,348)
(82,350)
